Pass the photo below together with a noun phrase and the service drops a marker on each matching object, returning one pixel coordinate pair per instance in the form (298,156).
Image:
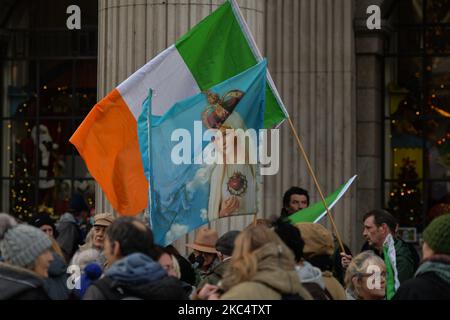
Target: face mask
(198,262)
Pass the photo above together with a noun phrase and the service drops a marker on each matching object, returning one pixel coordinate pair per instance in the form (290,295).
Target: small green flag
(390,276)
(316,211)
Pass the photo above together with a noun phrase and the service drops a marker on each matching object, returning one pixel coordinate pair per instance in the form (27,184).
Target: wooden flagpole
(302,150)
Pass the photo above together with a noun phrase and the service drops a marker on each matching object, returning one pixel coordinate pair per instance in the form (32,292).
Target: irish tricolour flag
(216,49)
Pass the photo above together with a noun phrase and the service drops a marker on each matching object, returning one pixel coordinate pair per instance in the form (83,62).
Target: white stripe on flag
(257,53)
(169,78)
(343,191)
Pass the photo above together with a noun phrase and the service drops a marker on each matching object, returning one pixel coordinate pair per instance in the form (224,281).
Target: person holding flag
(379,231)
(296,205)
(294,200)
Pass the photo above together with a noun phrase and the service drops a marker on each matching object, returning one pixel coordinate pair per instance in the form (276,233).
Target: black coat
(56,283)
(167,288)
(427,286)
(20,284)
(187,272)
(69,235)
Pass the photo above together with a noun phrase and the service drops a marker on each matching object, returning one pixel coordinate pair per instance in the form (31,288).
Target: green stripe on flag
(273,115)
(316,211)
(216,49)
(390,276)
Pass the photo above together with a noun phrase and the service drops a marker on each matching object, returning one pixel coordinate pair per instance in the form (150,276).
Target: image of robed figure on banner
(190,155)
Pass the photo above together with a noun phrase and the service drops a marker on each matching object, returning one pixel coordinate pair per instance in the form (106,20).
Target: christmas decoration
(405,201)
(22,185)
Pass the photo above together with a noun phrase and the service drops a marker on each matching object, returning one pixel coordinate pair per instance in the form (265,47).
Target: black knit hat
(42,220)
(225,244)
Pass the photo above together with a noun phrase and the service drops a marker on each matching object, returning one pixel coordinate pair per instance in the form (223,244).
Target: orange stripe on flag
(107,141)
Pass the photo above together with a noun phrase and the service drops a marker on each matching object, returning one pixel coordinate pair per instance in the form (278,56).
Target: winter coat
(405,259)
(325,263)
(69,235)
(431,281)
(270,282)
(350,295)
(338,269)
(311,278)
(201,274)
(310,274)
(406,256)
(80,258)
(216,274)
(187,272)
(333,286)
(56,283)
(20,284)
(136,276)
(90,273)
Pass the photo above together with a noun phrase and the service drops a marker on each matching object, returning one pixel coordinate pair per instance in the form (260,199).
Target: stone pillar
(132,32)
(369,110)
(310,49)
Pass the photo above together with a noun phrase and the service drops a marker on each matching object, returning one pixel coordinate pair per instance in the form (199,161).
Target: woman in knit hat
(56,283)
(432,279)
(26,254)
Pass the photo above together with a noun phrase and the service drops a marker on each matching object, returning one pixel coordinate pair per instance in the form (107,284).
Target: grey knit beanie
(22,244)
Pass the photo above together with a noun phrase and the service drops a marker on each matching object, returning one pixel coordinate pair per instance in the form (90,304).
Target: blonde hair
(56,248)
(358,266)
(244,261)
(176,266)
(89,241)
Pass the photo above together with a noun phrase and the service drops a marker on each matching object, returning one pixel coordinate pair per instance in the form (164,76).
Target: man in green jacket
(379,231)
(224,248)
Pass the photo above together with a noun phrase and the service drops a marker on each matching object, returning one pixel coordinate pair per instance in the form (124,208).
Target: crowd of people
(115,258)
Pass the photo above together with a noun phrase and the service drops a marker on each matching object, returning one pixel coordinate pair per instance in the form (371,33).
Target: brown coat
(270,281)
(333,286)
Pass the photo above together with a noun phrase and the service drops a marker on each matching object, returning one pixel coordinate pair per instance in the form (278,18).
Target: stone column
(310,48)
(369,110)
(132,32)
